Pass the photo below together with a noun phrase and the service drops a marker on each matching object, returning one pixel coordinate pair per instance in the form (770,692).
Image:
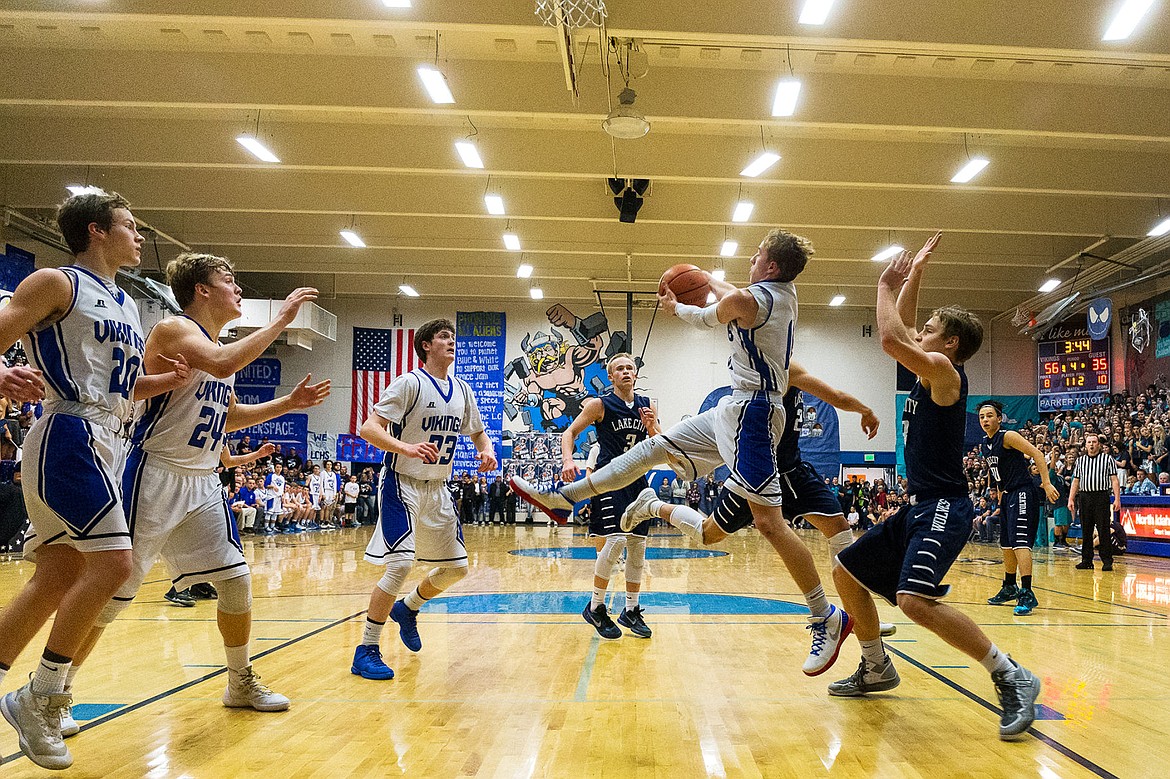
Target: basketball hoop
(571,13)
(1023,316)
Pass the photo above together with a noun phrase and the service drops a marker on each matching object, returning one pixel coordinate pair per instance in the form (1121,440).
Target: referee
(1094,477)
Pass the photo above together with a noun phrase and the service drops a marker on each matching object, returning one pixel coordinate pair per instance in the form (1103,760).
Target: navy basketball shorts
(1019,518)
(802,490)
(913,550)
(605,512)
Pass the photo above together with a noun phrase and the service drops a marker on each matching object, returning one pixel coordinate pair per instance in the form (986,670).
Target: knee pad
(442,578)
(235,595)
(111,610)
(608,557)
(635,558)
(395,575)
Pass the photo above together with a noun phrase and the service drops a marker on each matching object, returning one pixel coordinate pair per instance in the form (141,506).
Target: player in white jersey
(83,334)
(417,422)
(173,499)
(741,432)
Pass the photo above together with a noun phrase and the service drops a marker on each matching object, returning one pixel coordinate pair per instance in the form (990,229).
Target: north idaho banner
(479,361)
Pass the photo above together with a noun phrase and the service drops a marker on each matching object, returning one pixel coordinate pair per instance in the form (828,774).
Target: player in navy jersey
(905,558)
(622,419)
(83,334)
(1007,454)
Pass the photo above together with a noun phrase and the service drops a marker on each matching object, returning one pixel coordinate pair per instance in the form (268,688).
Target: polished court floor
(512,683)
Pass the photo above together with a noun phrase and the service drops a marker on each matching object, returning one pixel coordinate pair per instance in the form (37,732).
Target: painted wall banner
(1162,322)
(352,448)
(261,372)
(16,264)
(820,436)
(1146,517)
(253,395)
(289,430)
(1100,312)
(480,340)
(322,446)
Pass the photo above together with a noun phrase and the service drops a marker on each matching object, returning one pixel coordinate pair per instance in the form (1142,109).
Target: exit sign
(869,458)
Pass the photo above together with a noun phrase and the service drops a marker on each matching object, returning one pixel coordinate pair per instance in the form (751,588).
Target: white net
(1023,316)
(572,13)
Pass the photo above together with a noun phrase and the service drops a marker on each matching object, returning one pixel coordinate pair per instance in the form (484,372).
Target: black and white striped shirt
(1096,474)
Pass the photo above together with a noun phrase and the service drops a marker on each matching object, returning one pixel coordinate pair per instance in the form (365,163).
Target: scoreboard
(1072,373)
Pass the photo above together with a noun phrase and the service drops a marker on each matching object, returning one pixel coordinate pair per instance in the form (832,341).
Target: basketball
(688,283)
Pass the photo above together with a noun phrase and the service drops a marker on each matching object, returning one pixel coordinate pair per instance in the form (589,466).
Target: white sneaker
(887,629)
(245,691)
(639,510)
(828,634)
(69,726)
(552,504)
(867,679)
(37,720)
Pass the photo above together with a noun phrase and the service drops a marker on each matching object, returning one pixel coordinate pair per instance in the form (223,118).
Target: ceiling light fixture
(837,300)
(1049,285)
(628,197)
(85,189)
(495,204)
(396,3)
(728,249)
(815,11)
(787,92)
(1126,20)
(1161,228)
(469,153)
(970,170)
(743,211)
(760,164)
(258,149)
(353,239)
(524,271)
(887,253)
(536,293)
(624,121)
(435,84)
(512,242)
(408,290)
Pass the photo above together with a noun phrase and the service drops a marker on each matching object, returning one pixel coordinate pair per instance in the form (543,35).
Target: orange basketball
(688,283)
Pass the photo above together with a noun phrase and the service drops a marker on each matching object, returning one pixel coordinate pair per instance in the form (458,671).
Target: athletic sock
(1026,582)
(372,635)
(598,597)
(874,653)
(687,520)
(840,541)
(632,600)
(1009,580)
(237,658)
(51,673)
(818,604)
(414,601)
(69,677)
(996,661)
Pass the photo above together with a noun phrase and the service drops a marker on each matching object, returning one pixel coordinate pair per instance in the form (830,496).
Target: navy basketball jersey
(1009,467)
(788,450)
(934,442)
(621,426)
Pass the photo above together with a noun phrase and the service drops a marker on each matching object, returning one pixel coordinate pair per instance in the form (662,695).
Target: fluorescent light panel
(970,170)
(512,242)
(85,189)
(1161,228)
(524,271)
(1049,285)
(353,239)
(408,290)
(495,204)
(396,3)
(469,154)
(1126,20)
(760,164)
(536,293)
(435,84)
(743,211)
(258,149)
(887,253)
(787,91)
(815,11)
(837,300)
(728,249)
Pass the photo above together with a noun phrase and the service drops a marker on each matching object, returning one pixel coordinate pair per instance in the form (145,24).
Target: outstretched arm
(304,395)
(229,460)
(799,377)
(908,298)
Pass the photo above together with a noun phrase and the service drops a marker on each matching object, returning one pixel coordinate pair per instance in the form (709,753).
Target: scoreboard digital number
(1072,373)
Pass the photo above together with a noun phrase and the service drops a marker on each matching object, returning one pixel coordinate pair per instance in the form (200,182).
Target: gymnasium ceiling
(147,97)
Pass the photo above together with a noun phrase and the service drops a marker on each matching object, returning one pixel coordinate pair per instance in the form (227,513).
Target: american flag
(379,356)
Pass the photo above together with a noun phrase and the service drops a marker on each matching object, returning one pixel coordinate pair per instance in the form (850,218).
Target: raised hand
(306,395)
(920,259)
(292,304)
(666,299)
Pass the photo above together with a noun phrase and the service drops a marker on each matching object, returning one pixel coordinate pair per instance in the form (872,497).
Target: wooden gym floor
(512,683)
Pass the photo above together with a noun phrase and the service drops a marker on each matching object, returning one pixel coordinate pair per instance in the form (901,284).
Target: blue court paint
(587,669)
(571,602)
(1044,712)
(950,666)
(85,711)
(589,553)
(900,640)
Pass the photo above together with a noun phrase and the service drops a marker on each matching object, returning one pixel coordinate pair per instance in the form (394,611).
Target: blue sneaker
(407,619)
(600,620)
(367,663)
(632,619)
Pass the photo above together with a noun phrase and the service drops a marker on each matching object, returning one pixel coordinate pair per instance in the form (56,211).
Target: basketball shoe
(407,619)
(828,633)
(632,619)
(640,509)
(866,680)
(599,618)
(1026,604)
(551,503)
(1006,594)
(1018,690)
(37,720)
(244,691)
(368,664)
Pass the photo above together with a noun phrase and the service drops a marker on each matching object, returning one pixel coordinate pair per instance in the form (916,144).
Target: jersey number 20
(125,373)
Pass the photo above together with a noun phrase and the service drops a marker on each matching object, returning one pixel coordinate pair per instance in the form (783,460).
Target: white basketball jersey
(420,408)
(94,354)
(186,426)
(760,354)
